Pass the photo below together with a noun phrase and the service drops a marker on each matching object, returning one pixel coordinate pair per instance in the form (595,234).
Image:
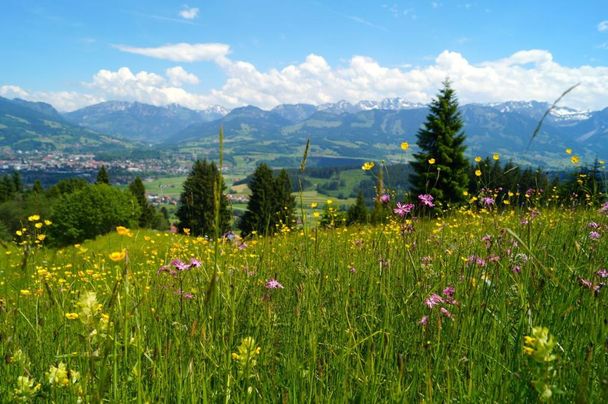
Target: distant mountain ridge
(28,126)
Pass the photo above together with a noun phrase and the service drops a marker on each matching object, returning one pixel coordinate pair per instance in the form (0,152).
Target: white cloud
(189,13)
(10,91)
(524,75)
(603,26)
(178,76)
(182,52)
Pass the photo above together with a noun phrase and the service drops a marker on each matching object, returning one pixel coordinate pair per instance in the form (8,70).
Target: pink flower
(602,273)
(487,201)
(445,312)
(593,225)
(385,198)
(273,284)
(424,321)
(403,209)
(449,291)
(194,263)
(604,208)
(426,200)
(594,235)
(433,300)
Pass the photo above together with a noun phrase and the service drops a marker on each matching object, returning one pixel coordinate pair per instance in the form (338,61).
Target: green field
(429,310)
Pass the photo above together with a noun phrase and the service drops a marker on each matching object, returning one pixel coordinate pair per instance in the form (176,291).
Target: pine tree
(147,219)
(37,187)
(102,176)
(17,183)
(285,201)
(260,212)
(440,168)
(196,205)
(357,213)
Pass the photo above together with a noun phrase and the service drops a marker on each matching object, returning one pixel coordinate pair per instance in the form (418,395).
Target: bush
(92,211)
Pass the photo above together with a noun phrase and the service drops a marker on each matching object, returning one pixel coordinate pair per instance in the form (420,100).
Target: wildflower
(568,151)
(180,265)
(604,208)
(575,159)
(478,173)
(431,161)
(313,205)
(424,321)
(273,284)
(540,345)
(26,388)
(123,231)
(405,146)
(487,240)
(38,225)
(449,291)
(118,255)
(403,209)
(58,375)
(445,312)
(426,200)
(368,165)
(71,316)
(593,225)
(352,269)
(516,269)
(48,222)
(433,300)
(477,159)
(33,218)
(594,235)
(385,198)
(246,356)
(25,292)
(602,273)
(496,156)
(41,237)
(487,201)
(194,263)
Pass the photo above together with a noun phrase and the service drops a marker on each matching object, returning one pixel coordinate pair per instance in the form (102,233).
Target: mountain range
(362,130)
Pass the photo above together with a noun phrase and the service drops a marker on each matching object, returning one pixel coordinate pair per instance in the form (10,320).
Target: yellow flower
(48,222)
(568,151)
(186,231)
(71,316)
(405,146)
(123,231)
(477,159)
(41,237)
(329,201)
(496,156)
(34,218)
(478,173)
(25,292)
(368,165)
(19,233)
(316,214)
(575,159)
(431,161)
(506,202)
(465,193)
(313,205)
(38,225)
(118,255)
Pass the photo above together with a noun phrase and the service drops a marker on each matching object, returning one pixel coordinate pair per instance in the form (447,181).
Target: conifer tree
(357,213)
(440,168)
(196,204)
(102,176)
(285,201)
(261,207)
(147,219)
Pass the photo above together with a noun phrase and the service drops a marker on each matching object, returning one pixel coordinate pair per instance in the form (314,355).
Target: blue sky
(75,53)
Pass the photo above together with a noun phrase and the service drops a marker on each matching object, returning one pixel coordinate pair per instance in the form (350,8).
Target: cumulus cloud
(189,13)
(182,52)
(524,75)
(178,76)
(603,26)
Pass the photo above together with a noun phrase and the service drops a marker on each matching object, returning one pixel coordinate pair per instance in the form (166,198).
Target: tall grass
(345,327)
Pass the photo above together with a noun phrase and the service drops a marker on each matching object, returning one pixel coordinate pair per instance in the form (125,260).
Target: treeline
(78,209)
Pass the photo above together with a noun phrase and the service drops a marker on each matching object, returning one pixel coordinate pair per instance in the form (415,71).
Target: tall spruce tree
(440,168)
(285,201)
(357,213)
(196,205)
(148,218)
(261,207)
(102,176)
